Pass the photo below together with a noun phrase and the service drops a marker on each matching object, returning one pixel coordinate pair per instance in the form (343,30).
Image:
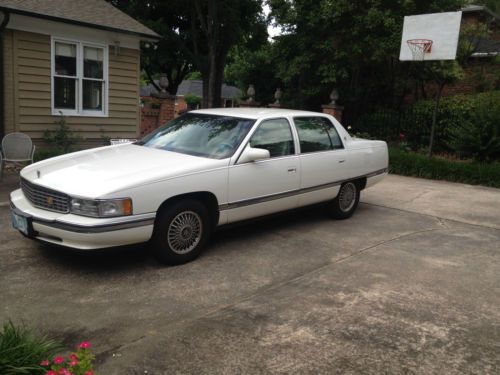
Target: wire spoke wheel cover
(347,196)
(185,232)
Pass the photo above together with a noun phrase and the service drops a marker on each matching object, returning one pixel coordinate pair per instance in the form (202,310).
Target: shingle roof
(194,87)
(480,9)
(93,13)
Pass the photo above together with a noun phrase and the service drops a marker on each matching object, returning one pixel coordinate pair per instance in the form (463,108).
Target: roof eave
(143,36)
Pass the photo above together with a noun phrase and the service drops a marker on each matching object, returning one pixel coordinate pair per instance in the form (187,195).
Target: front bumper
(81,232)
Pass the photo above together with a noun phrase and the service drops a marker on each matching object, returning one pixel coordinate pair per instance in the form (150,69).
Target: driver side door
(265,186)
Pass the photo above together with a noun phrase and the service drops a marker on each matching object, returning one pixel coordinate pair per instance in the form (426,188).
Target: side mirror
(253,154)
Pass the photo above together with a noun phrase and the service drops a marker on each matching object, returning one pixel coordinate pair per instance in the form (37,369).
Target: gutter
(3,25)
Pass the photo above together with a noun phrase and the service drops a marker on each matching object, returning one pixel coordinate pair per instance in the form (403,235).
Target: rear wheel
(346,202)
(181,232)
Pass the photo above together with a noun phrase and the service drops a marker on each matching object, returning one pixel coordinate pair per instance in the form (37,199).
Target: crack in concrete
(419,196)
(433,216)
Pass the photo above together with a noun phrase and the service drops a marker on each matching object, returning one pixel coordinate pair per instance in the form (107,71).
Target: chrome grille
(45,198)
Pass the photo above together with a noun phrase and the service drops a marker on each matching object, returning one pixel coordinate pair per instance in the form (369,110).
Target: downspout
(5,20)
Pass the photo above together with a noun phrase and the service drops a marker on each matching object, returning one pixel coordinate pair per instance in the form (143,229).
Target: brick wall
(156,112)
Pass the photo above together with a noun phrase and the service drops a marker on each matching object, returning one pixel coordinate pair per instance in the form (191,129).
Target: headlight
(101,208)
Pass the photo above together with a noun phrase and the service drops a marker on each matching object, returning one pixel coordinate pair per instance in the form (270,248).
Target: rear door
(323,159)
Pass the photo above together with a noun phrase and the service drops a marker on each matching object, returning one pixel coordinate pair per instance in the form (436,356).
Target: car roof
(256,113)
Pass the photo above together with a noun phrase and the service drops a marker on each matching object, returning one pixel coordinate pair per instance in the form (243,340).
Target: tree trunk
(434,117)
(204,78)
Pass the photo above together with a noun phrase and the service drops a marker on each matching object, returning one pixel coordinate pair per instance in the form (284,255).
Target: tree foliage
(351,45)
(196,34)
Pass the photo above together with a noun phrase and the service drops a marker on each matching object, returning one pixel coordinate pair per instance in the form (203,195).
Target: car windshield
(195,134)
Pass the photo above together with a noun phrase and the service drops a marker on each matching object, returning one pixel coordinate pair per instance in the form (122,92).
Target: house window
(79,78)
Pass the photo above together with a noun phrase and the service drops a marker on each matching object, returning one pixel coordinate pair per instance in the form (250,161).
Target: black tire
(175,239)
(346,202)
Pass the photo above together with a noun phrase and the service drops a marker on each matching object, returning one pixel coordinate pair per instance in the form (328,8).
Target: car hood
(97,172)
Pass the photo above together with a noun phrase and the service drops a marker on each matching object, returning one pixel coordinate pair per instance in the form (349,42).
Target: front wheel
(346,202)
(181,232)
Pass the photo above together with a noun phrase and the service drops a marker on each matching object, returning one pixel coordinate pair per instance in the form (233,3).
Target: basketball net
(419,47)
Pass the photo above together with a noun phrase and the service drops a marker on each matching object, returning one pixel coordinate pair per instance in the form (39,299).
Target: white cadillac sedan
(202,170)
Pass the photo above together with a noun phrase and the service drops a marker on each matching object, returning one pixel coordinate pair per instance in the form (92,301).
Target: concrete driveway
(410,284)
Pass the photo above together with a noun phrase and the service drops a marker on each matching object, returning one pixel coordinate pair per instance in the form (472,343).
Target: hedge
(436,168)
(415,122)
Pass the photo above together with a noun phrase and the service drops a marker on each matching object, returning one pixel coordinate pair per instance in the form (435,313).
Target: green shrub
(478,135)
(22,351)
(192,100)
(46,154)
(412,164)
(62,138)
(457,111)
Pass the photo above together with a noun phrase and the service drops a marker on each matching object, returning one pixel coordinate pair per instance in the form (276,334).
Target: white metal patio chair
(16,148)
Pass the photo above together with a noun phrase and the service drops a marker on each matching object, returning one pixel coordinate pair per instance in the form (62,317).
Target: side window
(332,132)
(275,136)
(316,134)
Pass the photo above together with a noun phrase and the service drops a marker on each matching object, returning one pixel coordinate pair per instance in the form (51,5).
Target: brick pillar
(249,104)
(333,110)
(167,110)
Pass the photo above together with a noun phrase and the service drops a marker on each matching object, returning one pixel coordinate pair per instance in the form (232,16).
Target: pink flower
(45,363)
(84,345)
(73,357)
(64,371)
(89,373)
(51,372)
(401,137)
(58,360)
(73,362)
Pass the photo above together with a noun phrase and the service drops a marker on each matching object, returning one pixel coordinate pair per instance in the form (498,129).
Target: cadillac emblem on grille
(50,200)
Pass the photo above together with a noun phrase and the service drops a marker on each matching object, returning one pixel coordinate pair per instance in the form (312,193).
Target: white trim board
(79,111)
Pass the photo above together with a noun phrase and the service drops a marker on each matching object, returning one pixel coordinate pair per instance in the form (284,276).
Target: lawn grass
(436,168)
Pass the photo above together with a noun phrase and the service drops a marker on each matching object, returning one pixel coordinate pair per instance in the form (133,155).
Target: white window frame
(79,111)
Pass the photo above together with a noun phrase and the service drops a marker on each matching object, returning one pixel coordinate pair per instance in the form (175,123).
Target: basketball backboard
(442,29)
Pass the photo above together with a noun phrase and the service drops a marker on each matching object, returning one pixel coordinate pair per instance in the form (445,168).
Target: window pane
(313,134)
(65,59)
(92,62)
(334,136)
(274,136)
(64,93)
(92,95)
(202,135)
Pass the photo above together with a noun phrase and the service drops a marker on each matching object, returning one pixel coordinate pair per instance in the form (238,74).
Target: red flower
(89,373)
(84,345)
(401,136)
(45,363)
(64,371)
(73,357)
(73,363)
(58,360)
(51,372)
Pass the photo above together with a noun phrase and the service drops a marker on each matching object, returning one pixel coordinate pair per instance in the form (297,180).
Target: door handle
(292,170)
(342,161)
